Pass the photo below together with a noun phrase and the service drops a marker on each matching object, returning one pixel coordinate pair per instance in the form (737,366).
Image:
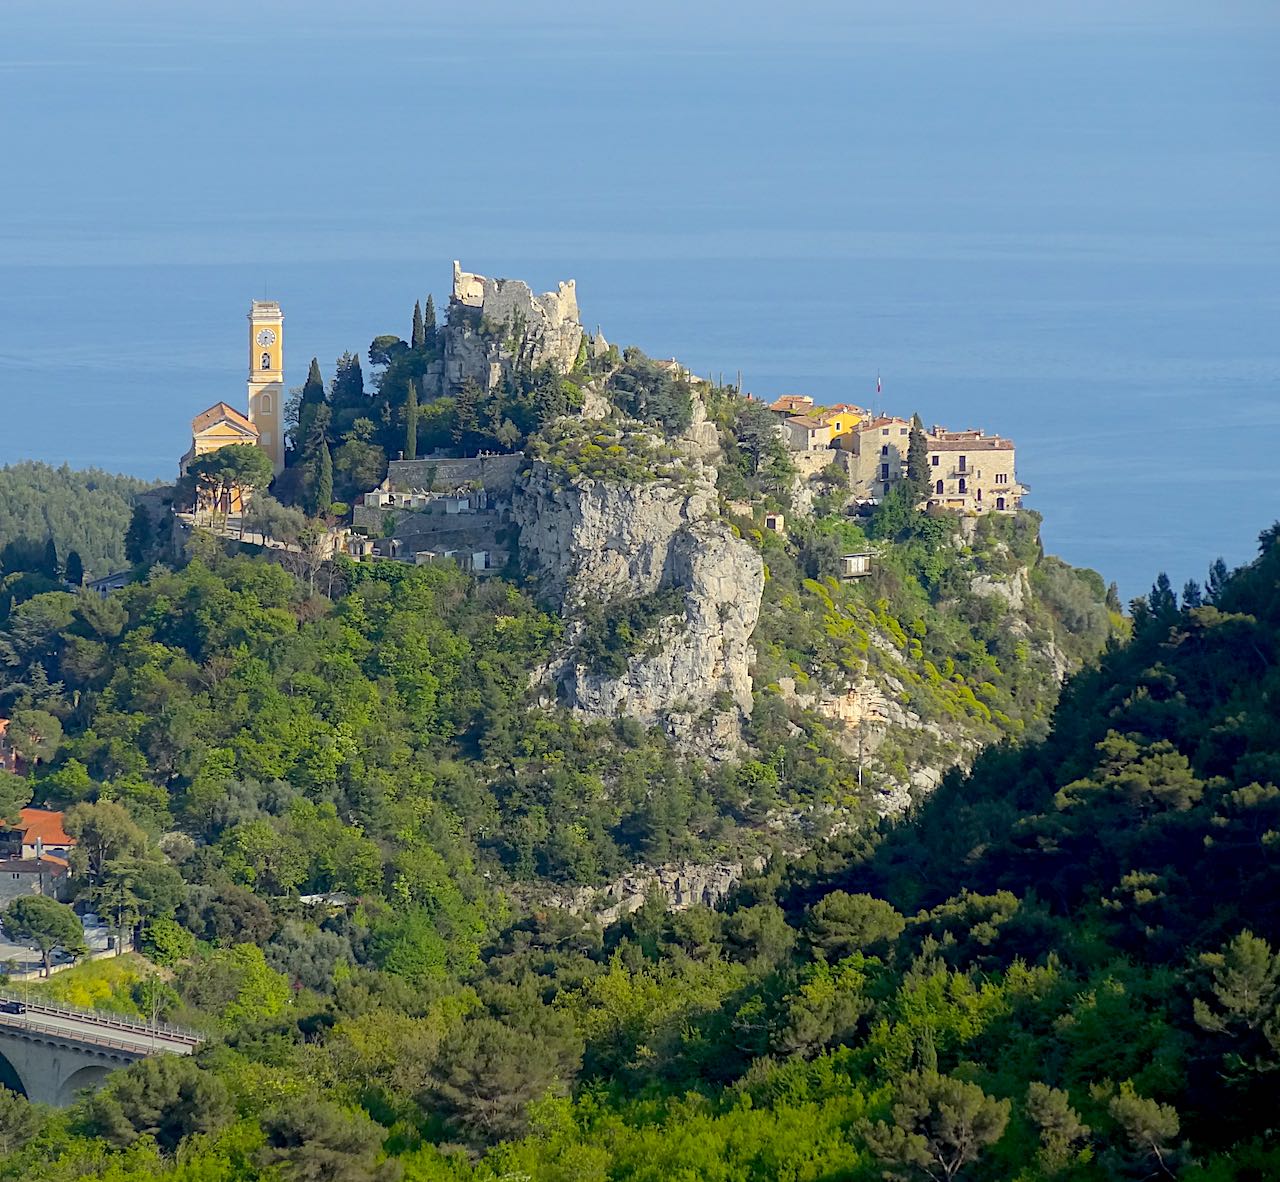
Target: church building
(222,424)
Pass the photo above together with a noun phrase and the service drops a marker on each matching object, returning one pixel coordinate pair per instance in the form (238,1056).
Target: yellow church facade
(263,426)
(219,426)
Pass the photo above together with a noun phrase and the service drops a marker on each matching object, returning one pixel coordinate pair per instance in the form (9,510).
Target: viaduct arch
(49,1052)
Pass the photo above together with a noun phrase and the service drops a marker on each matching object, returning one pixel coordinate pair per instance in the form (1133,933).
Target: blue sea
(1059,222)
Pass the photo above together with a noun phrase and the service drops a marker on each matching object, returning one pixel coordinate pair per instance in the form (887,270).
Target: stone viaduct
(50,1052)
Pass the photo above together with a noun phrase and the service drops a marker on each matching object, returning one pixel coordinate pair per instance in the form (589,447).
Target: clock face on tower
(266,337)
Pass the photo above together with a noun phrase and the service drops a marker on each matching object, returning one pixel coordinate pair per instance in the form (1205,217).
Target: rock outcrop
(495,323)
(681,885)
(586,540)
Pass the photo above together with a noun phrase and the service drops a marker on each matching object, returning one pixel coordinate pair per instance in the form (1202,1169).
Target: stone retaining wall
(496,473)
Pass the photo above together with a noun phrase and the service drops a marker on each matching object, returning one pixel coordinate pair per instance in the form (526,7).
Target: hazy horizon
(1060,226)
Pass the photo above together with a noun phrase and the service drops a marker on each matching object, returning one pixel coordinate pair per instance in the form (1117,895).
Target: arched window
(962,488)
(937,488)
(999,502)
(266,361)
(264,404)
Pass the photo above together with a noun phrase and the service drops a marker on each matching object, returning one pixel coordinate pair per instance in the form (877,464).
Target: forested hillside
(1063,965)
(85,511)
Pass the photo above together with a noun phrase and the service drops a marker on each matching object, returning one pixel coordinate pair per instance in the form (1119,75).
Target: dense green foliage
(85,511)
(612,632)
(1065,964)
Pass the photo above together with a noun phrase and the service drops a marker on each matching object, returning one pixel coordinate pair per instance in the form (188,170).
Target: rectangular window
(902,430)
(962,463)
(884,471)
(886,490)
(884,430)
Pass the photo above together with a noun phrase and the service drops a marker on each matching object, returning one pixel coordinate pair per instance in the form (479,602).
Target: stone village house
(33,856)
(969,471)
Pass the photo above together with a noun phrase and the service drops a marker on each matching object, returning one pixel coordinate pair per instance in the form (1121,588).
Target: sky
(1055,221)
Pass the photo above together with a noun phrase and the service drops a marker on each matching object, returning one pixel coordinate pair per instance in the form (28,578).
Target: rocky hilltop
(494,324)
(700,548)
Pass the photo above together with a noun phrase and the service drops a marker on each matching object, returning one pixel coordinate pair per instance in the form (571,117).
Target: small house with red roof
(36,833)
(33,856)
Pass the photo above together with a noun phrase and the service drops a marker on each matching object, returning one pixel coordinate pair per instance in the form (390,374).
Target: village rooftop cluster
(969,471)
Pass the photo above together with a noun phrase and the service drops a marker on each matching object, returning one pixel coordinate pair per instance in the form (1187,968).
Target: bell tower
(266,378)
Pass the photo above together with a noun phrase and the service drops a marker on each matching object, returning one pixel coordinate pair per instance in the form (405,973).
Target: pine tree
(429,323)
(74,573)
(419,337)
(1218,576)
(1162,601)
(347,390)
(411,422)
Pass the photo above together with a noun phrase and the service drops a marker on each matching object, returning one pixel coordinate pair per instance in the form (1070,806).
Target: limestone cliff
(586,540)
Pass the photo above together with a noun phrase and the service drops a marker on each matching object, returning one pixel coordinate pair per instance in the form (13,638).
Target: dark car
(13,1007)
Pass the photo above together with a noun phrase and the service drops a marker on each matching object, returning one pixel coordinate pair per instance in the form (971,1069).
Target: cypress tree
(411,422)
(313,387)
(429,323)
(918,461)
(324,479)
(311,399)
(74,573)
(139,536)
(419,337)
(466,413)
(49,564)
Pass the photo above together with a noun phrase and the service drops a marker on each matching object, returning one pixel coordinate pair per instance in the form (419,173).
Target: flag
(877,384)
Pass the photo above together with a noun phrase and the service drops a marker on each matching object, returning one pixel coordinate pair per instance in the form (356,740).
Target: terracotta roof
(217,413)
(44,825)
(807,421)
(791,401)
(4,727)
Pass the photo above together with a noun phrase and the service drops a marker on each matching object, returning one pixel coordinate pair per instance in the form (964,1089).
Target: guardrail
(102,1018)
(137,1047)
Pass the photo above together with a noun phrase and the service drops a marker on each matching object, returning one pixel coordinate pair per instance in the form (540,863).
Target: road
(100,1029)
(26,958)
